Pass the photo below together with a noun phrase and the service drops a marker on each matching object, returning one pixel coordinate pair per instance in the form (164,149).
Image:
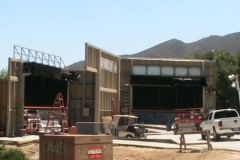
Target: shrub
(11,154)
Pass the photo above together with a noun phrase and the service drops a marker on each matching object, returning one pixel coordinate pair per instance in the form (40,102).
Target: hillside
(177,49)
(77,65)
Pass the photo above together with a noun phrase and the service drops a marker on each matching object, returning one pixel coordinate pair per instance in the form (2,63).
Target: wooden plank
(195,132)
(92,69)
(108,90)
(194,143)
(13,79)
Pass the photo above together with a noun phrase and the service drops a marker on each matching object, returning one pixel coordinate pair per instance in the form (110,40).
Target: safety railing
(96,128)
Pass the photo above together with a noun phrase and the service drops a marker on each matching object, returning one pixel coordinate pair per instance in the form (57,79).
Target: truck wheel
(175,132)
(129,136)
(203,136)
(229,136)
(216,137)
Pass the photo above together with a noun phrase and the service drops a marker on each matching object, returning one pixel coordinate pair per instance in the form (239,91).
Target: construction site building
(150,88)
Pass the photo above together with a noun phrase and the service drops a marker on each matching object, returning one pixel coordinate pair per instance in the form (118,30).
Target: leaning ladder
(126,104)
(58,105)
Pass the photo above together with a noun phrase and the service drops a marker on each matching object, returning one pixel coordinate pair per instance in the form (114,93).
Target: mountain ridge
(175,48)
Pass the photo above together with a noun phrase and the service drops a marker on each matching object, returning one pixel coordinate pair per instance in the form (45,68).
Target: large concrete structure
(157,86)
(147,87)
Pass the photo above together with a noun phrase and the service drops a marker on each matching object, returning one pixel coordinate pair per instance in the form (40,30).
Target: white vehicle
(224,122)
(132,130)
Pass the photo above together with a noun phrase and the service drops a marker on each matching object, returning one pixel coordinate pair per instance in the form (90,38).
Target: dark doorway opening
(166,93)
(41,91)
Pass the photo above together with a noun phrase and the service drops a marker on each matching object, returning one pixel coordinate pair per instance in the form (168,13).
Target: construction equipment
(32,121)
(188,119)
(58,106)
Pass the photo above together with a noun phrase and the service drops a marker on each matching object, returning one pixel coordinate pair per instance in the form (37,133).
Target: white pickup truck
(223,122)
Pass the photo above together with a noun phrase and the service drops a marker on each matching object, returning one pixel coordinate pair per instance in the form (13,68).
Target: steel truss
(26,54)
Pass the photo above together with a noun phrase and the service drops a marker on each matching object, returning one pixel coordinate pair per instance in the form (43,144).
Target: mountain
(177,49)
(170,49)
(77,65)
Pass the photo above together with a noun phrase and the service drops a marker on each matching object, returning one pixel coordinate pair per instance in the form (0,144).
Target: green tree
(226,64)
(4,73)
(207,56)
(238,62)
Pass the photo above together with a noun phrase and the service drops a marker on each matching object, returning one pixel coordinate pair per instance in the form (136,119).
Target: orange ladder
(57,105)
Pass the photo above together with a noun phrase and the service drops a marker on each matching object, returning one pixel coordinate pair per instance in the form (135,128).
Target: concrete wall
(3,102)
(166,67)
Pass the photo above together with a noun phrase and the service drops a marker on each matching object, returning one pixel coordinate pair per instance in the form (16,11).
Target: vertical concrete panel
(82,95)
(14,105)
(3,102)
(107,68)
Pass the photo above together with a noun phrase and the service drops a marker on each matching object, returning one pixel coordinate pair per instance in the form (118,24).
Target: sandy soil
(137,153)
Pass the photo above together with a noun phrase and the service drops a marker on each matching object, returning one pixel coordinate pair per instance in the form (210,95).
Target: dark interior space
(41,91)
(39,69)
(166,93)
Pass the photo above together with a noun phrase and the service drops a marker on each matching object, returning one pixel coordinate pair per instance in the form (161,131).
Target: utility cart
(132,130)
(187,119)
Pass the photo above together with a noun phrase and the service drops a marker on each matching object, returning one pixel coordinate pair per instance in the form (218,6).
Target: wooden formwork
(91,97)
(15,98)
(82,98)
(3,102)
(107,83)
(209,69)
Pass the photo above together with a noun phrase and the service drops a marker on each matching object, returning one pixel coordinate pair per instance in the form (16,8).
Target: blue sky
(119,26)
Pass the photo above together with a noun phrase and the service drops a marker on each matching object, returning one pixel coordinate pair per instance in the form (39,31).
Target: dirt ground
(137,153)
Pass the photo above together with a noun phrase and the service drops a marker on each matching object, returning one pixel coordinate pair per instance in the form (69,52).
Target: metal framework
(30,55)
